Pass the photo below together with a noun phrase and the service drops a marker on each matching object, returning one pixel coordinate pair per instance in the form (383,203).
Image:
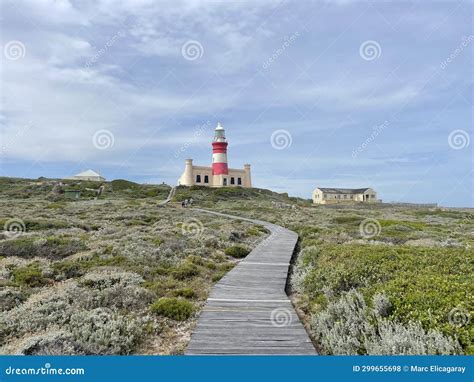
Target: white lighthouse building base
(219,175)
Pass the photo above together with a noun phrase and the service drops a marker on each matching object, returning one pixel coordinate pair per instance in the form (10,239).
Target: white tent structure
(88,175)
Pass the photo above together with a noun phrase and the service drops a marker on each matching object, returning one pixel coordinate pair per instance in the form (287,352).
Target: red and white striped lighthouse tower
(219,152)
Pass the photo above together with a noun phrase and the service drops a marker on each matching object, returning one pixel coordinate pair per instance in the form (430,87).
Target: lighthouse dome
(219,126)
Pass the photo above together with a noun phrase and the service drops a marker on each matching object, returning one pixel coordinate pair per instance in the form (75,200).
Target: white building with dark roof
(344,195)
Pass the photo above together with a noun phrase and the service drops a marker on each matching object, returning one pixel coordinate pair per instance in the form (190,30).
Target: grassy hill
(54,189)
(367,279)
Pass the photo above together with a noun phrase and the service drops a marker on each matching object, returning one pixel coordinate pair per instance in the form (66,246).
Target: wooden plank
(248,311)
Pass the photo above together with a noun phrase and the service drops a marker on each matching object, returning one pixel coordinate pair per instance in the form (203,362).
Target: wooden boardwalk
(248,311)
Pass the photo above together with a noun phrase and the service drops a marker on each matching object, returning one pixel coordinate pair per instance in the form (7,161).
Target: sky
(311,93)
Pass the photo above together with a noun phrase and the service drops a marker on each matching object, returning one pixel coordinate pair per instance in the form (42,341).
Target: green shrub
(237,251)
(185,292)
(30,275)
(174,308)
(217,276)
(121,184)
(423,285)
(185,270)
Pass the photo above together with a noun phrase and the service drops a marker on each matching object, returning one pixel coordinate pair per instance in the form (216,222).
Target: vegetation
(419,259)
(93,268)
(175,308)
(133,275)
(237,251)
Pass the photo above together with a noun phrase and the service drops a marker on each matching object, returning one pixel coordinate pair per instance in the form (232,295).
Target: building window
(198,178)
(325,196)
(345,196)
(206,178)
(372,196)
(232,180)
(239,181)
(352,196)
(224,181)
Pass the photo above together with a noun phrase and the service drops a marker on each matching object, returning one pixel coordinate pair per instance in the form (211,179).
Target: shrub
(10,297)
(381,305)
(237,251)
(174,308)
(185,270)
(121,184)
(52,247)
(343,327)
(30,275)
(185,292)
(394,338)
(100,331)
(347,327)
(107,278)
(217,276)
(52,342)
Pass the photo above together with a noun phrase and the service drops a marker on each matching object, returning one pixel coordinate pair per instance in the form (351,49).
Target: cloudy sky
(325,93)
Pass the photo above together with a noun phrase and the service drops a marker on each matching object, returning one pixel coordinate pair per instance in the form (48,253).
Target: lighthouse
(219,174)
(219,152)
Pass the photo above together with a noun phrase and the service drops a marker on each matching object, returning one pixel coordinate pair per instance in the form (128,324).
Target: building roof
(343,190)
(88,173)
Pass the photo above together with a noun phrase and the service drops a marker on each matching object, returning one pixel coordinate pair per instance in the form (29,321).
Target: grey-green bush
(347,326)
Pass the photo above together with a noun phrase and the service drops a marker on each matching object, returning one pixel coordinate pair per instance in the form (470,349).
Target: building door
(224,181)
